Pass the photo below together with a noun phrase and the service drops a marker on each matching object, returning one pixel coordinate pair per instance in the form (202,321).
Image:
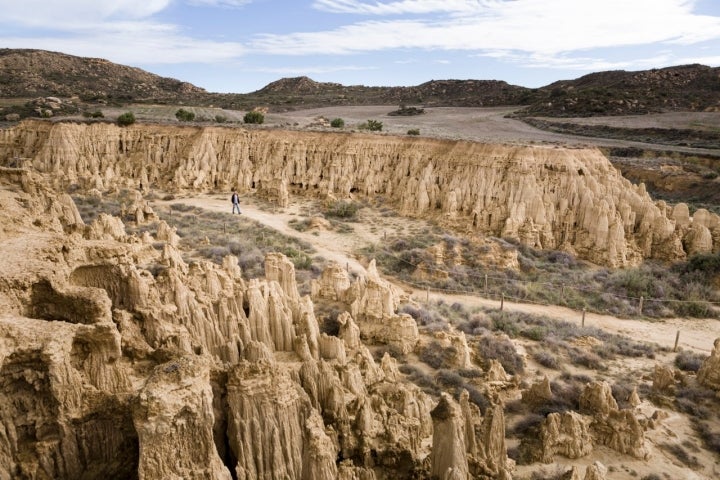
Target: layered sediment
(546,197)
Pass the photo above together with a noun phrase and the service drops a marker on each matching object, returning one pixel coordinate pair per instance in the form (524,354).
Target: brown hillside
(686,87)
(33,73)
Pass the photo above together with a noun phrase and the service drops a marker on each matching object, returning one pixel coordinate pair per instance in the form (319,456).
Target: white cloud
(146,47)
(220,3)
(311,70)
(400,7)
(71,14)
(532,26)
(120,30)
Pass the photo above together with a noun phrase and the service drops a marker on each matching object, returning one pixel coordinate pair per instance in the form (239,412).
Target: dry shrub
(492,347)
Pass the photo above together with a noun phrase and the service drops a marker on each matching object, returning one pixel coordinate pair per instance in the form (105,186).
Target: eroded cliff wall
(545,196)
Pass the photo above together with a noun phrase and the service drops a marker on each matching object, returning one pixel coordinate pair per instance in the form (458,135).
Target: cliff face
(547,197)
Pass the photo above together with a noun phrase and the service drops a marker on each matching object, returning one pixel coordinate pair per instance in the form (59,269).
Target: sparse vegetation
(688,361)
(337,123)
(343,209)
(552,277)
(413,131)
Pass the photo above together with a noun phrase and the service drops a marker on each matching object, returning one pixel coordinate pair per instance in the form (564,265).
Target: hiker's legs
(236,206)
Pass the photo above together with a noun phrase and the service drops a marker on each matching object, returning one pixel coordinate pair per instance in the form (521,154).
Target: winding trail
(695,334)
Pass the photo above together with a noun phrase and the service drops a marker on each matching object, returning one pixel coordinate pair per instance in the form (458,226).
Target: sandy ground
(489,124)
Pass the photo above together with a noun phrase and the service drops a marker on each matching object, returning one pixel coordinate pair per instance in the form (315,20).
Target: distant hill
(38,73)
(35,73)
(687,87)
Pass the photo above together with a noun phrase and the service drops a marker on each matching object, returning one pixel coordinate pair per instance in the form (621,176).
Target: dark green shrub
(220,119)
(95,114)
(254,117)
(337,123)
(372,125)
(185,115)
(127,118)
(413,131)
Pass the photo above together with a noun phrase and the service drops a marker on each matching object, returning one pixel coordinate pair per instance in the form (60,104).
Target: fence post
(224,228)
(502,301)
(562,292)
(583,317)
(640,307)
(427,294)
(677,337)
(486,289)
(347,266)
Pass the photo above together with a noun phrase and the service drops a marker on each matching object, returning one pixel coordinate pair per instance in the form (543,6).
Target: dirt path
(695,334)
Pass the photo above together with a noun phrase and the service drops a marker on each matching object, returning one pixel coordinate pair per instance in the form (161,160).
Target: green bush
(337,123)
(127,118)
(372,125)
(254,117)
(95,114)
(413,131)
(220,119)
(185,115)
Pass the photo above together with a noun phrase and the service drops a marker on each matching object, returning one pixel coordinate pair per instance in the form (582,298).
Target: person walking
(235,199)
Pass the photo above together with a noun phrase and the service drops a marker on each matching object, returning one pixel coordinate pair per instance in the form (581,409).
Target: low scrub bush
(346,210)
(689,361)
(127,118)
(492,347)
(185,115)
(337,123)
(413,131)
(254,117)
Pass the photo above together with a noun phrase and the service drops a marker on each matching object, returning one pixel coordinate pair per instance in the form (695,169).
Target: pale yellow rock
(448,457)
(663,379)
(597,399)
(566,434)
(709,373)
(544,196)
(174,424)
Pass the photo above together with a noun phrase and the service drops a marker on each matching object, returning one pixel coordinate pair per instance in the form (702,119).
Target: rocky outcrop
(373,303)
(709,373)
(566,434)
(175,425)
(449,461)
(546,197)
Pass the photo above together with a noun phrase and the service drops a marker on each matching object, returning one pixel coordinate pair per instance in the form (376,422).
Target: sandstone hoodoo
(546,197)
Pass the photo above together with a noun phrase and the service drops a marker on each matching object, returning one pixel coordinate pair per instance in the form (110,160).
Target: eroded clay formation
(107,369)
(547,197)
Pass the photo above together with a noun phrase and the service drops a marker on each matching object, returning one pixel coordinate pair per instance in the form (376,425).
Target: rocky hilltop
(545,197)
(38,73)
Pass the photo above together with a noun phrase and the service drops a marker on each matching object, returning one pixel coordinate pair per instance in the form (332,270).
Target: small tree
(337,123)
(413,131)
(127,118)
(220,119)
(254,117)
(185,115)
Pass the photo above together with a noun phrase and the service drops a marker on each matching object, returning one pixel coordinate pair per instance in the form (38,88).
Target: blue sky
(242,45)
